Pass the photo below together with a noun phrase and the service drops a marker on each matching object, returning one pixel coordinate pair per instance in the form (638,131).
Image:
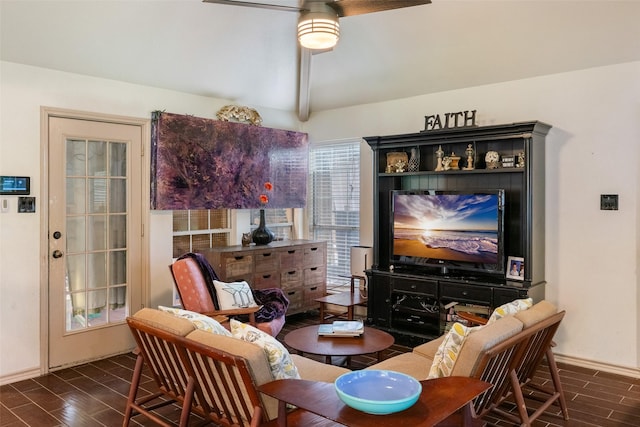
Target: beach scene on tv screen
(454,227)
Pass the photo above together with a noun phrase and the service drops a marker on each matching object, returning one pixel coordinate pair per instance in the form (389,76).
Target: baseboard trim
(19,376)
(598,366)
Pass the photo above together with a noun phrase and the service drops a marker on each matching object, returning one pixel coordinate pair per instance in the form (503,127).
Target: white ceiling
(249,55)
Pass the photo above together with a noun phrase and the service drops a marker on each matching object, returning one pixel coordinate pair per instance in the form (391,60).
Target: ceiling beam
(304,84)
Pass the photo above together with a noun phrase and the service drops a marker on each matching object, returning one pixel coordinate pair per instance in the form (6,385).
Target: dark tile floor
(94,394)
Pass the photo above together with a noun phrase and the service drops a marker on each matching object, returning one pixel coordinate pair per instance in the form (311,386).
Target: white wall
(592,149)
(23,90)
(592,255)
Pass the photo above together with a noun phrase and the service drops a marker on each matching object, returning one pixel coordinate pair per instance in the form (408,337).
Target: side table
(440,398)
(343,299)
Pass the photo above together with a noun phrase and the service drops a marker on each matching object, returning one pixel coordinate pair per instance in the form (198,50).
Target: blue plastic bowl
(378,392)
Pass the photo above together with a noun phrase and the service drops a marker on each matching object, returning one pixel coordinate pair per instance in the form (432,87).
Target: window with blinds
(194,230)
(334,203)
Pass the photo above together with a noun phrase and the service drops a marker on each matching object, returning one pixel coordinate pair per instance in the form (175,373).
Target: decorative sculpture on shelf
(469,152)
(400,166)
(446,161)
(455,160)
(414,161)
(439,156)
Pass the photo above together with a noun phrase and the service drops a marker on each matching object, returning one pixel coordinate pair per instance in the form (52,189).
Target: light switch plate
(26,204)
(608,202)
(4,205)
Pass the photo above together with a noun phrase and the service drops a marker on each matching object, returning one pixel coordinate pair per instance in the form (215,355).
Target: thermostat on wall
(16,185)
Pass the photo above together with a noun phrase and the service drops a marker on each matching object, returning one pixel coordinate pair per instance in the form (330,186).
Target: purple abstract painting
(202,163)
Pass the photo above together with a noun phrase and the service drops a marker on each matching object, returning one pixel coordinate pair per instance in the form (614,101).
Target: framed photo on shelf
(515,268)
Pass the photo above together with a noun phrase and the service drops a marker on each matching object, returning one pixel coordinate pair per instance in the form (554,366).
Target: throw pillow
(282,367)
(234,295)
(200,321)
(510,308)
(447,353)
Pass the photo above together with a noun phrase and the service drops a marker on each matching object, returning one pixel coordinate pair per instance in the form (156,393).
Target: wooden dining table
(440,398)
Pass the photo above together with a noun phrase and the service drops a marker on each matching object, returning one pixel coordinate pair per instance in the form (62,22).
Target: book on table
(342,328)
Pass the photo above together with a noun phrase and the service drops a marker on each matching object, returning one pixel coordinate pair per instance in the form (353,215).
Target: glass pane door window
(96,227)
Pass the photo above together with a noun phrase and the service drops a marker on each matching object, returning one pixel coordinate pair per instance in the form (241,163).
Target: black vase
(262,235)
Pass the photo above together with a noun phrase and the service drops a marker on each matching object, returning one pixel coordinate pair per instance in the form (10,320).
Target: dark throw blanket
(273,300)
(208,273)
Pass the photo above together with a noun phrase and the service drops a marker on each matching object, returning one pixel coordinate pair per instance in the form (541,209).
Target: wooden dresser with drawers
(298,267)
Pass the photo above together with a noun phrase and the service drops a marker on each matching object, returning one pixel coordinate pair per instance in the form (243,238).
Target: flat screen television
(448,230)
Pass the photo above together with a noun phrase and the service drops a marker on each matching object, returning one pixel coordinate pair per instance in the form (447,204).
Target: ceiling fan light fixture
(318,30)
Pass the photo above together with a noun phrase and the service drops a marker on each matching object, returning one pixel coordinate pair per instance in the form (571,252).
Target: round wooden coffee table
(307,340)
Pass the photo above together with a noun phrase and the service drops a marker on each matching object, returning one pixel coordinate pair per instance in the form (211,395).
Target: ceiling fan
(319,28)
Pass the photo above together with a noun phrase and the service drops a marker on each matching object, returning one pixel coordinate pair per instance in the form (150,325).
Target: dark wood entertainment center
(411,301)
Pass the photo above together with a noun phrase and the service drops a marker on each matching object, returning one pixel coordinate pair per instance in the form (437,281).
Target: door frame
(145,127)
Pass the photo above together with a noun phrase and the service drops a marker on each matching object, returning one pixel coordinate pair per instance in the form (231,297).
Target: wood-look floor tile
(94,394)
(34,415)
(11,397)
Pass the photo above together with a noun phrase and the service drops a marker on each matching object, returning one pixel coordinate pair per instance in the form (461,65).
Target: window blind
(334,203)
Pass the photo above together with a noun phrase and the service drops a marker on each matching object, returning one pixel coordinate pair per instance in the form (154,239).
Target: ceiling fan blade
(359,7)
(254,4)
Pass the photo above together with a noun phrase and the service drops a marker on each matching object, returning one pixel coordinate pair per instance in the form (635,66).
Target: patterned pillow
(282,367)
(447,353)
(510,308)
(200,321)
(234,295)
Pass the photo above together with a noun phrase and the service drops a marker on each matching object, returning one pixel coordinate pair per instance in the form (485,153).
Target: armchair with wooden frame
(196,296)
(211,375)
(521,375)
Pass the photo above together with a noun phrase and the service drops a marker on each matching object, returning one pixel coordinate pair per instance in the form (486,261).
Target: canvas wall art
(200,163)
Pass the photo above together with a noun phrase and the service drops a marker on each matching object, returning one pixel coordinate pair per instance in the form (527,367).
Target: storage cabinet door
(291,258)
(236,266)
(451,291)
(423,287)
(379,303)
